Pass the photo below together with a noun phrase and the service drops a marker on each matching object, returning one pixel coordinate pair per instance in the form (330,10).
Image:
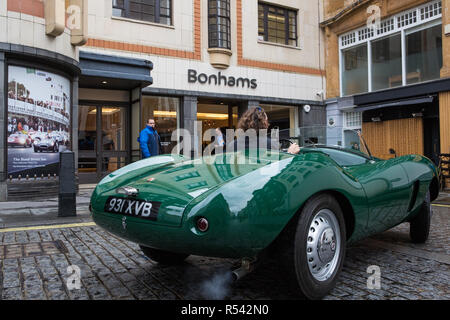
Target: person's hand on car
(294,148)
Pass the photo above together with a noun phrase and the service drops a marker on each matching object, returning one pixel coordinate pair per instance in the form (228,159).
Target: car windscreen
(344,158)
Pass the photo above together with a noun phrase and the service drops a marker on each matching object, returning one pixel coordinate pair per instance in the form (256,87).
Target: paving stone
(14,293)
(112,268)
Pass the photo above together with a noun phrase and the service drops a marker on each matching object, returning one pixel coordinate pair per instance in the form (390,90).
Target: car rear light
(202,224)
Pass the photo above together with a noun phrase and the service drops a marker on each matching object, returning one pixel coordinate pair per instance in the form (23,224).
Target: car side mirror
(392,151)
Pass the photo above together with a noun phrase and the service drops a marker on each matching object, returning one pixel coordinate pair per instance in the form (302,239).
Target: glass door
(113,141)
(87,144)
(102,141)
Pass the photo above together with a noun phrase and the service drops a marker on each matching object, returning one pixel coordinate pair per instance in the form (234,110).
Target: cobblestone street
(114,269)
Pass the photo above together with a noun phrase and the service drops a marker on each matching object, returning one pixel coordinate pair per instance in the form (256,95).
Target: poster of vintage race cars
(38,121)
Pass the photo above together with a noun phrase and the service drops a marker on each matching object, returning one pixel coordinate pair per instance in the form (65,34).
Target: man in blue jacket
(149,140)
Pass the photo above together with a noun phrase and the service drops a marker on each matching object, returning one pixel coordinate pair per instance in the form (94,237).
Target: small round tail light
(202,224)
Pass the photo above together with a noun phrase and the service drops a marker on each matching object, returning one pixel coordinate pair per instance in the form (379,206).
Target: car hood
(175,181)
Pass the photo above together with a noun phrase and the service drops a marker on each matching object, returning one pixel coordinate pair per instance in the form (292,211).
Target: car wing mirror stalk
(392,151)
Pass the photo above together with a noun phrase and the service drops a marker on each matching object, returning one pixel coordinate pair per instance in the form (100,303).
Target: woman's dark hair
(254,118)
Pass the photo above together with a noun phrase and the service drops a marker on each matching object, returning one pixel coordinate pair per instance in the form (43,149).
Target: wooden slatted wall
(405,136)
(444,118)
(444,123)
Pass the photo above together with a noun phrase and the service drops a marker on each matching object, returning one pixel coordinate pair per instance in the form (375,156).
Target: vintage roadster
(304,208)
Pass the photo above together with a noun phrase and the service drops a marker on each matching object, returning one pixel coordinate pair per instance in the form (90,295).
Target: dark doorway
(431,141)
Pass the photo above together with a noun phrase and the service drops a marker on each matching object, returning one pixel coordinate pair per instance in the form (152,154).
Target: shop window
(164,110)
(216,117)
(282,118)
(424,55)
(387,62)
(219,24)
(277,24)
(158,11)
(354,70)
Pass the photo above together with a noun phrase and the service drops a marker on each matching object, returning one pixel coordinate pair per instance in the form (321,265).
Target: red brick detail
(31,7)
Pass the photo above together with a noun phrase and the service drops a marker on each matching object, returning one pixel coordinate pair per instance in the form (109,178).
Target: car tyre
(419,228)
(164,257)
(313,247)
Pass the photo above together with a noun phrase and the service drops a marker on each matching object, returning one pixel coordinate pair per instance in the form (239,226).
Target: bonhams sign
(72,14)
(221,80)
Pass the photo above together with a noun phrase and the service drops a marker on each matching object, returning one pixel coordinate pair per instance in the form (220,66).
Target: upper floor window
(404,49)
(158,11)
(219,24)
(277,24)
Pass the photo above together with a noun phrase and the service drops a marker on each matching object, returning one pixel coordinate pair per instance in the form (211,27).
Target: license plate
(133,207)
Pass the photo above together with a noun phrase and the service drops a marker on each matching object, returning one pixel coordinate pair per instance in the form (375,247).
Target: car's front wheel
(314,250)
(419,228)
(163,257)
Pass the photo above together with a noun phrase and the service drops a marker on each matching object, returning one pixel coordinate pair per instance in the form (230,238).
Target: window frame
(287,24)
(215,28)
(391,26)
(157,12)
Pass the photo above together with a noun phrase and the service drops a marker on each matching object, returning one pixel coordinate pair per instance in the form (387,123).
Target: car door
(386,185)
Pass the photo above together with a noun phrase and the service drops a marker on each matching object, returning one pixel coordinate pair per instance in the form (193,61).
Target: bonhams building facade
(85,75)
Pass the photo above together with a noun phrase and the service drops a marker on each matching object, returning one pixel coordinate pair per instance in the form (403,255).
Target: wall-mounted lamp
(376,119)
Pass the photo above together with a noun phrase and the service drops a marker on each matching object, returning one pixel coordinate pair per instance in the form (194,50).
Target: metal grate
(23,250)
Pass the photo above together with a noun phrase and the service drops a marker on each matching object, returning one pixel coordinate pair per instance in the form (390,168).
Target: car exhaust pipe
(247,266)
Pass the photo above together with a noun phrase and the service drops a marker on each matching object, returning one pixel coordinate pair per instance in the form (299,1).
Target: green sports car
(304,208)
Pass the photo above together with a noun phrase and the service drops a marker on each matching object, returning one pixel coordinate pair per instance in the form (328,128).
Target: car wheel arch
(434,189)
(344,203)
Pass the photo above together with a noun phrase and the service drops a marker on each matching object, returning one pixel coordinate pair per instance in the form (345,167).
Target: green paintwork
(250,200)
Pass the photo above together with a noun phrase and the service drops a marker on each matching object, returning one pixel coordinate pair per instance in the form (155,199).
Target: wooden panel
(444,118)
(444,122)
(405,136)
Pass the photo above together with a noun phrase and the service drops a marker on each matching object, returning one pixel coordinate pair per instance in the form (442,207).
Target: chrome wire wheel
(323,245)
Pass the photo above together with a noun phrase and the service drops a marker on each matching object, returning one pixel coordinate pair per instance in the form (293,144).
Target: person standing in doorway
(149,140)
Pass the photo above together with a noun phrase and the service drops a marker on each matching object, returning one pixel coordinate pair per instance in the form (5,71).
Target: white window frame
(364,35)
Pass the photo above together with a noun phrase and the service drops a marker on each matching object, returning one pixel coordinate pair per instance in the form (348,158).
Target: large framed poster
(39,108)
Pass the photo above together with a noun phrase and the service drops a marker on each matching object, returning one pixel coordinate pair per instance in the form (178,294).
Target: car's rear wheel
(314,247)
(164,257)
(419,228)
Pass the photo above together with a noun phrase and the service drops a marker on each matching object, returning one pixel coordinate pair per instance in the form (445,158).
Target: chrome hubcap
(323,245)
